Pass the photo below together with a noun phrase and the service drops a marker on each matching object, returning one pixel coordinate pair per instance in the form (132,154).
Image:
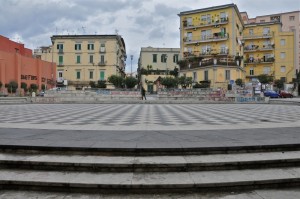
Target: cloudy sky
(141,23)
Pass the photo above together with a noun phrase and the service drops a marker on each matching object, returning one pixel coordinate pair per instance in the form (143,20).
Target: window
(223,16)
(251,32)
(189,21)
(102,48)
(77,74)
(60,48)
(78,59)
(60,60)
(189,36)
(251,71)
(102,75)
(163,58)
(60,74)
(154,58)
(206,75)
(91,59)
(91,74)
(203,17)
(194,76)
(282,42)
(266,31)
(102,59)
(282,55)
(175,58)
(292,18)
(227,74)
(90,46)
(267,70)
(77,46)
(282,69)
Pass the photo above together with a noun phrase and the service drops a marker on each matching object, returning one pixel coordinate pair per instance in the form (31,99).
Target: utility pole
(131,57)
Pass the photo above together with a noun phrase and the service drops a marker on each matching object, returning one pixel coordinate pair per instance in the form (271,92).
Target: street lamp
(166,57)
(131,57)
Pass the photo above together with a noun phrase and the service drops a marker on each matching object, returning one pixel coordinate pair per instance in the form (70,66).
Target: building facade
(156,63)
(268,50)
(211,45)
(290,23)
(81,59)
(17,64)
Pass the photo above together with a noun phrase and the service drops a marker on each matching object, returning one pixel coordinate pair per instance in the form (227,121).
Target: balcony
(265,35)
(207,23)
(253,48)
(264,60)
(60,64)
(60,51)
(199,62)
(215,37)
(102,63)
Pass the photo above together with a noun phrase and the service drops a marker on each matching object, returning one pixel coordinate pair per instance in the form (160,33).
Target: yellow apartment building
(156,63)
(268,50)
(84,58)
(211,45)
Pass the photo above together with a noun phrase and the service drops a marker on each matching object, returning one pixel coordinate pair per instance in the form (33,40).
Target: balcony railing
(258,35)
(198,63)
(206,38)
(102,63)
(252,48)
(259,60)
(60,50)
(221,21)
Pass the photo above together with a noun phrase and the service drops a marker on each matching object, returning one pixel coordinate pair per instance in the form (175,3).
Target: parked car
(285,94)
(41,94)
(271,94)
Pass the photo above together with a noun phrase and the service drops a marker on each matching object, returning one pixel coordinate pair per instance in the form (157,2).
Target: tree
(116,80)
(12,86)
(174,72)
(279,84)
(101,84)
(24,86)
(92,84)
(169,82)
(185,81)
(33,87)
(43,87)
(239,82)
(265,79)
(130,82)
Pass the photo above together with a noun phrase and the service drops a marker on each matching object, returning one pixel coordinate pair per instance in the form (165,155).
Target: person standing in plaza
(143,92)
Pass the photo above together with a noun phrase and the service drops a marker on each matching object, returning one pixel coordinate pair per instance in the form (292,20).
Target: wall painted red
(17,64)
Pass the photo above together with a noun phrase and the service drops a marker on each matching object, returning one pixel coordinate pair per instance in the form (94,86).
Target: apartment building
(290,23)
(156,63)
(268,50)
(81,59)
(211,45)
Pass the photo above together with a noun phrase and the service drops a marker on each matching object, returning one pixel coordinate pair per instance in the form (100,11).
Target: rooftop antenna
(83,29)
(116,31)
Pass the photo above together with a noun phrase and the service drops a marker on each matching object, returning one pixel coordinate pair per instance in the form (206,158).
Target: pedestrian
(143,91)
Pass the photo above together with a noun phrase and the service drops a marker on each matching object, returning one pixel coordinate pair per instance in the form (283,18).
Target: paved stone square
(148,116)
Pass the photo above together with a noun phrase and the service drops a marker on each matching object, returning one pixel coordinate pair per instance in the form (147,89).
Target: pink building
(17,64)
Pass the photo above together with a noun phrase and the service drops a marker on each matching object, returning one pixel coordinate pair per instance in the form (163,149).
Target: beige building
(81,59)
(156,63)
(290,23)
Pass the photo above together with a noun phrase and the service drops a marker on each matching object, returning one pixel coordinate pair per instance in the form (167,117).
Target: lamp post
(166,57)
(131,57)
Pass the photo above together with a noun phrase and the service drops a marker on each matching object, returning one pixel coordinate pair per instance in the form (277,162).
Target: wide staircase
(143,170)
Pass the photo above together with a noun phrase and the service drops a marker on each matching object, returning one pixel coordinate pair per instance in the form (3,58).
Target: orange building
(17,64)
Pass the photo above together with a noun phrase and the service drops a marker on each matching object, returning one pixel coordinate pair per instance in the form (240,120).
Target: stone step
(139,181)
(105,163)
(131,149)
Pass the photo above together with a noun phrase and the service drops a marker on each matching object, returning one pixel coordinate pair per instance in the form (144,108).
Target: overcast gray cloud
(142,23)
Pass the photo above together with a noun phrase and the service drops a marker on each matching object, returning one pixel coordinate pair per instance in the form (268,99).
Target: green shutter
(78,59)
(78,74)
(102,75)
(60,60)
